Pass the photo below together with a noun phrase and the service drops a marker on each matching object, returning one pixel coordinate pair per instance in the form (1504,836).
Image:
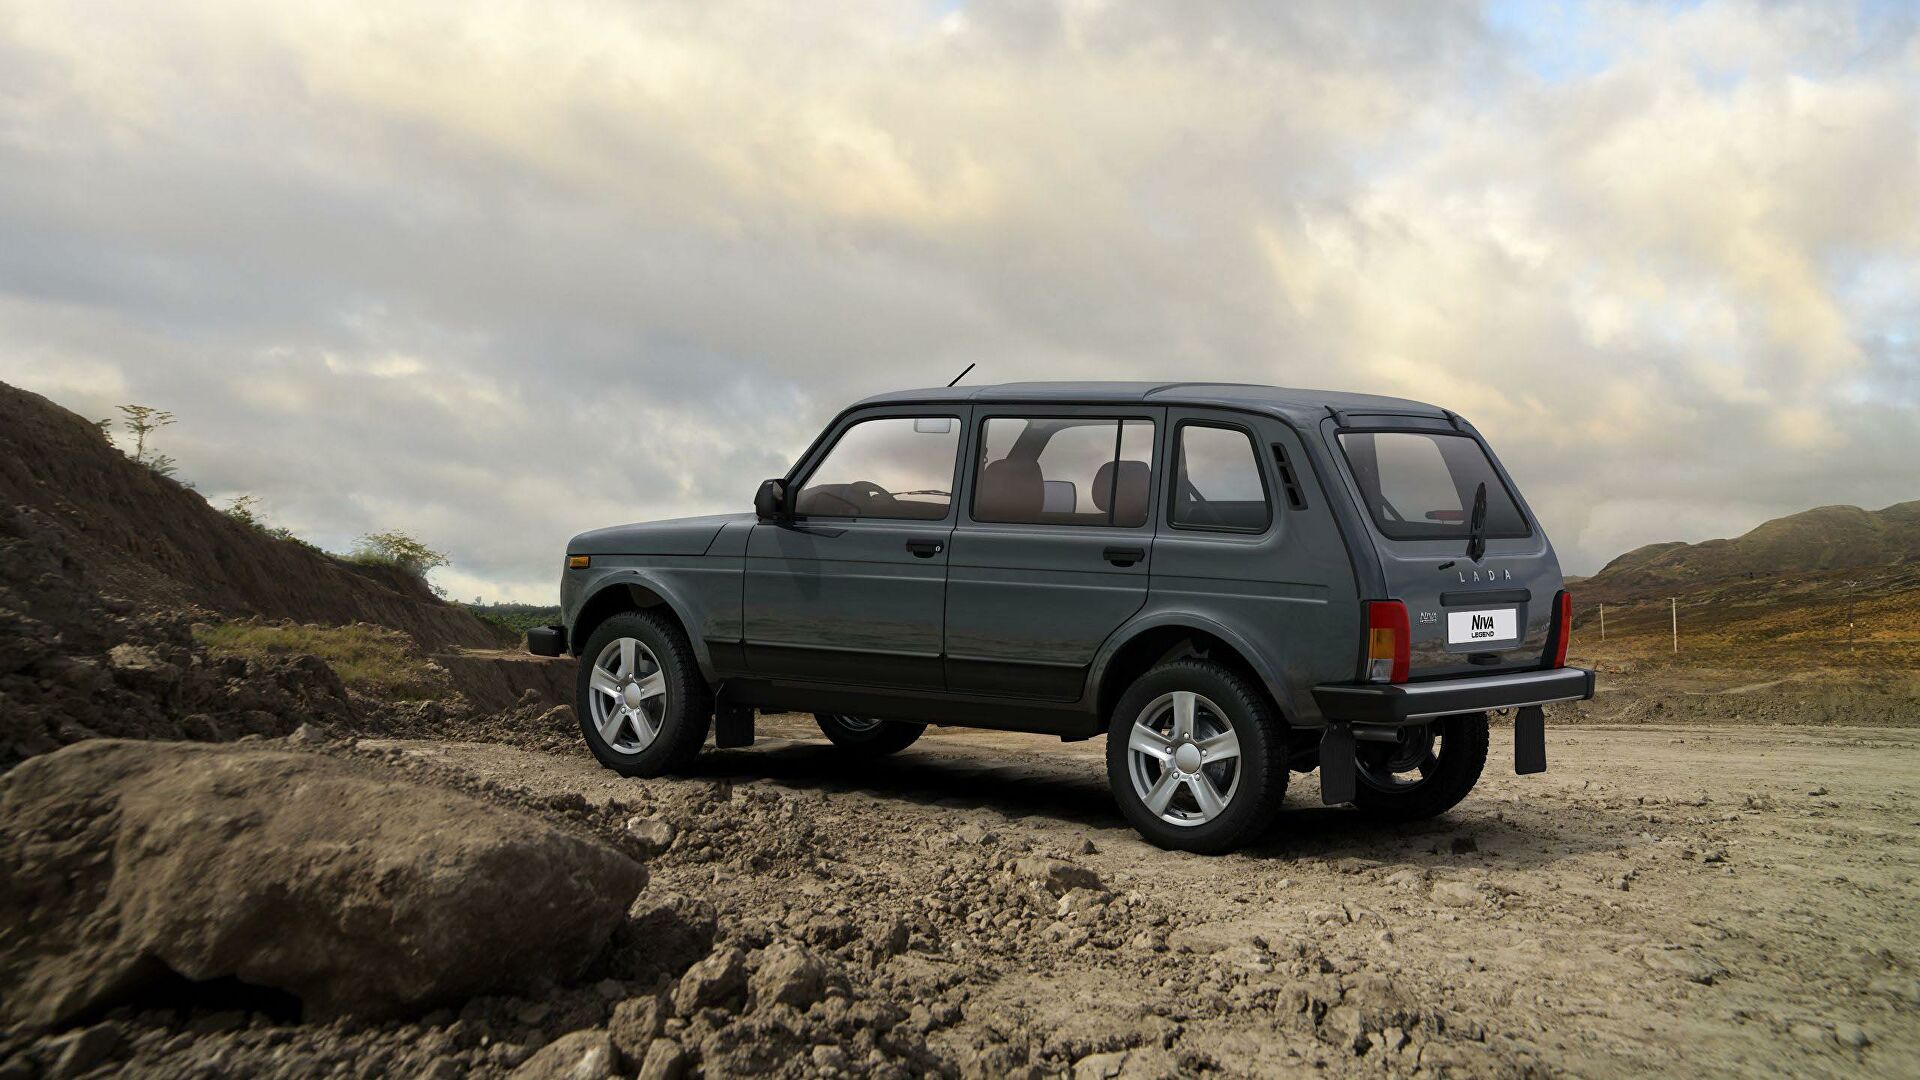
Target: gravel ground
(1709,899)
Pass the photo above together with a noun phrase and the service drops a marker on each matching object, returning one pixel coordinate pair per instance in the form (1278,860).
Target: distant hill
(150,540)
(1827,541)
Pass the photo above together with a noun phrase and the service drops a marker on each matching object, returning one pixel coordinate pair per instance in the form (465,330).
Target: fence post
(1603,622)
(1674,602)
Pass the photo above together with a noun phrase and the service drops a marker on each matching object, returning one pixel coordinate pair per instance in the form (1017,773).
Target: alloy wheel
(1184,758)
(629,699)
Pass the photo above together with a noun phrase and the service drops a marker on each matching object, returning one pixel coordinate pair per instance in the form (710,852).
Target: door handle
(925,549)
(1125,556)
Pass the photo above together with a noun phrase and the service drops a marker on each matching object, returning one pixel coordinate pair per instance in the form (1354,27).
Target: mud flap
(1338,776)
(1529,740)
(732,725)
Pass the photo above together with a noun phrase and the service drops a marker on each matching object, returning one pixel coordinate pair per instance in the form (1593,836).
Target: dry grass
(371,659)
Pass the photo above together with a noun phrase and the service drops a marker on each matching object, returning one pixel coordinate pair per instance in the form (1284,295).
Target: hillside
(158,544)
(1831,591)
(1822,542)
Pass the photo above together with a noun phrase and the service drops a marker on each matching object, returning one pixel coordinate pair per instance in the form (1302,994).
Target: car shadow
(1073,791)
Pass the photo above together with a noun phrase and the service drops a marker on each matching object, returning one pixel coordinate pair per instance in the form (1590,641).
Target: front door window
(895,467)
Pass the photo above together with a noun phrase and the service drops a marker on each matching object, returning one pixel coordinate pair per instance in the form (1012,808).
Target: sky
(497,273)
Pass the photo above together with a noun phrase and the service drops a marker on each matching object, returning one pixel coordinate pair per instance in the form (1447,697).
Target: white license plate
(1473,627)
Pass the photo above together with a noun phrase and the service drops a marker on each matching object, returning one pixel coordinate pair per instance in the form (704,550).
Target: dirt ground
(1706,900)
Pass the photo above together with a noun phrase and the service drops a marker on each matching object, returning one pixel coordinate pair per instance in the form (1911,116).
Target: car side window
(1217,482)
(893,467)
(1080,470)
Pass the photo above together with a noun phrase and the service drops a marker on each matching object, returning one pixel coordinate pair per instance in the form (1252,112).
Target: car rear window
(1419,485)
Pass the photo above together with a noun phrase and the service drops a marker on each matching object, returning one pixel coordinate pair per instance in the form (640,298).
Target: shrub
(396,548)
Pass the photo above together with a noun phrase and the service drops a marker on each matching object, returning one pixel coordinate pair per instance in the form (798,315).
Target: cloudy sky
(494,273)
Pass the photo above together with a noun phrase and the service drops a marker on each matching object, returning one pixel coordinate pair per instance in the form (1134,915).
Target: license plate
(1473,627)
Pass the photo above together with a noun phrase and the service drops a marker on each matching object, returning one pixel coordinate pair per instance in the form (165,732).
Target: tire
(1213,697)
(865,737)
(657,738)
(1459,749)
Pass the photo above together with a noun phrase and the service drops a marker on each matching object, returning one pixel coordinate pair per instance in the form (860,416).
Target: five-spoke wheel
(1183,758)
(1195,756)
(629,700)
(643,705)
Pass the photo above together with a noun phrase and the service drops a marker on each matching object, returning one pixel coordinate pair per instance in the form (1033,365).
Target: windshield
(1419,485)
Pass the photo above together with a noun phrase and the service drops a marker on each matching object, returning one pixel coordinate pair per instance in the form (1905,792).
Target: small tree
(396,548)
(143,421)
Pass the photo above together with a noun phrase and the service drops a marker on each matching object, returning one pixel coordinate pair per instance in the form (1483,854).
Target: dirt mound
(157,543)
(129,865)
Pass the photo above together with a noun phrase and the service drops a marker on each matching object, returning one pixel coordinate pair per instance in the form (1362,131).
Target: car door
(851,590)
(1052,551)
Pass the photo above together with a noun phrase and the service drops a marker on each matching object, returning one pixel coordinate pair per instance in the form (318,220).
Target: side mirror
(770,502)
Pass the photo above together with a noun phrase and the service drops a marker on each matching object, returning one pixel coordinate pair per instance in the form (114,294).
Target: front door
(851,591)
(1052,551)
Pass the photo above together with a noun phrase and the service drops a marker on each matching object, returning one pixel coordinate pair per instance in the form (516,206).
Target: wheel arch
(631,590)
(1141,645)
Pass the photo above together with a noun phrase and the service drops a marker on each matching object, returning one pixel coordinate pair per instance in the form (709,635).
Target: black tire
(687,714)
(1460,752)
(882,738)
(1259,780)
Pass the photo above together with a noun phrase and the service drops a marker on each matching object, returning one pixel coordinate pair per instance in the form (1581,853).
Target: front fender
(652,588)
(1150,621)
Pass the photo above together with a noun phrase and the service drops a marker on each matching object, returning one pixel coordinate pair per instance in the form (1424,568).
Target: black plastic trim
(547,640)
(1399,703)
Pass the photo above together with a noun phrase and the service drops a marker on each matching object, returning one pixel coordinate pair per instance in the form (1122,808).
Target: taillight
(1387,641)
(1563,627)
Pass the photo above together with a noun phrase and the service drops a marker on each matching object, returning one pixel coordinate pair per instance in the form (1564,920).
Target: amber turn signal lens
(578,562)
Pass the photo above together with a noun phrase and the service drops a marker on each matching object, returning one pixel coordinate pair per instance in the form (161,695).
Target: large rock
(355,890)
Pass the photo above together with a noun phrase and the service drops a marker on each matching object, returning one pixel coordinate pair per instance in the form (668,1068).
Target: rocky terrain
(223,856)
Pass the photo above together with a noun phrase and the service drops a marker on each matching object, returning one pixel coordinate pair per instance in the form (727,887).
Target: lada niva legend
(1230,582)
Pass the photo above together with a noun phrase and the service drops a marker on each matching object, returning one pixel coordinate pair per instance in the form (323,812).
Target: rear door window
(1039,470)
(1419,485)
(1216,482)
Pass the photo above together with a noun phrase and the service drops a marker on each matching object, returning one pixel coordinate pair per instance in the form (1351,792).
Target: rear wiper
(1477,530)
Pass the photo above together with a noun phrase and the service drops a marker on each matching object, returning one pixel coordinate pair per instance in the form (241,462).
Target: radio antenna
(962,375)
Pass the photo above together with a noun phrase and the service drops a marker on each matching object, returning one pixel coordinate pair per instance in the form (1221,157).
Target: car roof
(1306,406)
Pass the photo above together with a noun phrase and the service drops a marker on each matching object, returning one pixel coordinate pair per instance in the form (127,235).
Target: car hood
(679,536)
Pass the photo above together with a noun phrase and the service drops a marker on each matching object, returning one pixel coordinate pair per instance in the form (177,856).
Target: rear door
(852,591)
(1415,480)
(1052,551)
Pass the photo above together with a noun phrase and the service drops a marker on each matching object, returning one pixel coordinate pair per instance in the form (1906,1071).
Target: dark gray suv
(1231,582)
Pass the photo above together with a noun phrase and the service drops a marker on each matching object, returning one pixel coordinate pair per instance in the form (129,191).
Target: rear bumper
(547,640)
(1401,703)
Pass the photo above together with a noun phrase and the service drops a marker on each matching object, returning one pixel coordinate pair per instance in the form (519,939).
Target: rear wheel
(866,736)
(644,707)
(1195,757)
(1426,773)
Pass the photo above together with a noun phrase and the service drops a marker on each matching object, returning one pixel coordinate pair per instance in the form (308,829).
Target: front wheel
(1195,757)
(867,737)
(644,706)
(1423,774)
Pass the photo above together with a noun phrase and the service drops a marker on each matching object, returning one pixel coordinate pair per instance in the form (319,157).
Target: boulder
(125,864)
